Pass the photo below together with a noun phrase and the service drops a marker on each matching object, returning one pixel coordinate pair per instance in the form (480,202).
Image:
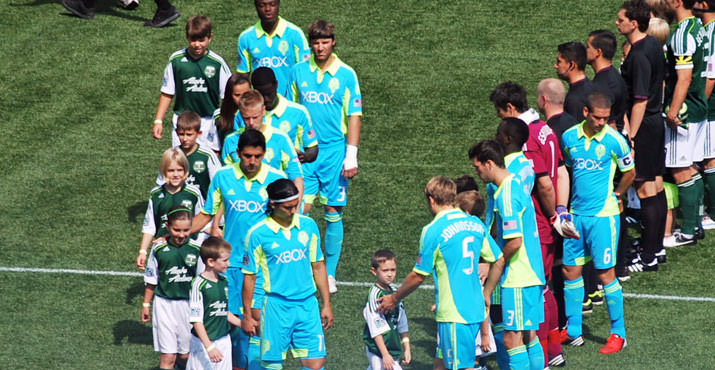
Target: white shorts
(170,325)
(492,344)
(199,358)
(374,362)
(709,140)
(209,135)
(683,147)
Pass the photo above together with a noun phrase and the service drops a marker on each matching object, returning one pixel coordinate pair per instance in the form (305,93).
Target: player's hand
(215,355)
(156,130)
(563,223)
(326,316)
(349,173)
(301,155)
(158,240)
(146,314)
(387,361)
(672,120)
(387,304)
(141,261)
(408,357)
(483,272)
(249,325)
(485,342)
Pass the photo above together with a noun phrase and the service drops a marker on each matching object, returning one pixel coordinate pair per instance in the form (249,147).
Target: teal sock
(502,355)
(519,359)
(614,299)
(688,193)
(536,354)
(333,241)
(573,299)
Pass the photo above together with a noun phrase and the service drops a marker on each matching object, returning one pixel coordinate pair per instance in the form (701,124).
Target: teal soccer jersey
(515,218)
(279,51)
(450,247)
(593,162)
(196,84)
(280,152)
(294,120)
(685,51)
(171,268)
(160,201)
(284,256)
(517,164)
(203,164)
(330,97)
(208,304)
(244,201)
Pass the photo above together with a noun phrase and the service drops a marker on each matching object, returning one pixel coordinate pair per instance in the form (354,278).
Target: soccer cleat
(678,239)
(587,306)
(699,233)
(596,297)
(558,360)
(637,265)
(77,8)
(623,275)
(128,4)
(163,17)
(332,285)
(565,339)
(708,223)
(660,255)
(614,344)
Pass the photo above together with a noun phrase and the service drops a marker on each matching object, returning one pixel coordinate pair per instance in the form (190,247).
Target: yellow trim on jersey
(332,68)
(260,176)
(280,29)
(506,187)
(276,227)
(280,108)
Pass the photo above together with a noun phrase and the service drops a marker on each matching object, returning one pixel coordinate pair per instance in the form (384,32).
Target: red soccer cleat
(614,344)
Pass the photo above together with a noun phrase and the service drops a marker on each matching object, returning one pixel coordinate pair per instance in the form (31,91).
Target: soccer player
(241,189)
(385,335)
(292,118)
(570,66)
(329,89)
(593,151)
(225,116)
(450,248)
(550,94)
(522,280)
(210,346)
(685,134)
(708,18)
(600,49)
(286,247)
(165,12)
(196,77)
(643,71)
(172,265)
(272,42)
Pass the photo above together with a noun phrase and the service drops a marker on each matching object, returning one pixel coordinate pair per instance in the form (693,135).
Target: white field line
(341,283)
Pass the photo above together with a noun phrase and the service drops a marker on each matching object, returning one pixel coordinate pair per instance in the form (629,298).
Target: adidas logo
(231,192)
(184,59)
(528,323)
(161,196)
(166,249)
(256,50)
(208,285)
(304,84)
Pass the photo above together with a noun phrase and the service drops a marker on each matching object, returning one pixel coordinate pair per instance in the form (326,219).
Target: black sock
(88,3)
(650,217)
(623,241)
(663,203)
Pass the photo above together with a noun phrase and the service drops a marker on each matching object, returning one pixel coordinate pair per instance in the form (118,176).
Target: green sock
(710,191)
(688,192)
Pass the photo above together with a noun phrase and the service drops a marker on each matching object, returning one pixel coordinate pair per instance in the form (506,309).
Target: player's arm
(248,324)
(146,305)
(215,227)
(406,350)
(564,186)
(143,250)
(164,103)
(493,277)
(308,155)
(511,247)
(214,354)
(411,282)
(484,333)
(685,76)
(350,165)
(546,194)
(200,221)
(320,276)
(387,359)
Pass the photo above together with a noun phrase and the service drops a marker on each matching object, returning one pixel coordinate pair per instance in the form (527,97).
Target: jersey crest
(210,71)
(303,237)
(334,84)
(600,151)
(199,166)
(283,47)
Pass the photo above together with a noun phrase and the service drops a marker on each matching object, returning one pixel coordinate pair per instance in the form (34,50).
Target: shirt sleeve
(243,62)
(509,206)
(623,154)
(490,249)
(224,75)
(249,256)
(196,302)
(167,85)
(149,225)
(308,138)
(316,254)
(355,103)
(151,272)
(425,260)
(684,49)
(213,164)
(214,198)
(290,161)
(376,322)
(402,325)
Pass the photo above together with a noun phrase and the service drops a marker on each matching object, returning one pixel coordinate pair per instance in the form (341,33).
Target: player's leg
(183,331)
(457,344)
(308,339)
(574,258)
(311,184)
(81,8)
(165,14)
(164,330)
(276,325)
(239,339)
(512,315)
(533,315)
(679,154)
(334,188)
(495,313)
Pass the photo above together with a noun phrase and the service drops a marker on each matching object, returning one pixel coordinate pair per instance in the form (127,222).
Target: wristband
(561,209)
(405,340)
(210,348)
(350,157)
(142,251)
(146,304)
(158,122)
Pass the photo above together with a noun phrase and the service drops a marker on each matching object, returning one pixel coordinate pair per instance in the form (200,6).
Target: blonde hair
(250,99)
(442,189)
(659,29)
(173,155)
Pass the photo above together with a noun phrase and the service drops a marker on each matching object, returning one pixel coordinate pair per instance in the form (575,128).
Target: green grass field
(78,162)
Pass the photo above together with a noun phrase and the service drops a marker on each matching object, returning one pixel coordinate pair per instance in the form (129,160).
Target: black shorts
(649,149)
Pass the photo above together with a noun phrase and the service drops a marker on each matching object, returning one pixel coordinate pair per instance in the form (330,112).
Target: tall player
(570,66)
(329,89)
(685,134)
(600,49)
(272,42)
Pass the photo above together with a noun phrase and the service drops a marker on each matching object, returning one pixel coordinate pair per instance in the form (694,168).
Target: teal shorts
(291,324)
(457,344)
(599,241)
(522,308)
(324,176)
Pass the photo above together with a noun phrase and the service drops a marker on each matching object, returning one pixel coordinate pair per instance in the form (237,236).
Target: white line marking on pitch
(341,283)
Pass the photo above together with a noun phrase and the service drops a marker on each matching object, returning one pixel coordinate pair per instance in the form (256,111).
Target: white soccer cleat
(128,4)
(332,285)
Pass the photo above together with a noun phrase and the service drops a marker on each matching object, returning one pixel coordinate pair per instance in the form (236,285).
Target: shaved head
(553,89)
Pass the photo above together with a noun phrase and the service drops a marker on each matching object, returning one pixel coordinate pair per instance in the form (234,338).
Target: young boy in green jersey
(383,333)
(210,346)
(171,266)
(194,78)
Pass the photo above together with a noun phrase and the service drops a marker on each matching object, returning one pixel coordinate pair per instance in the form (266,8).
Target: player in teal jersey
(287,115)
(171,266)
(241,189)
(593,150)
(196,77)
(225,115)
(329,89)
(174,167)
(210,346)
(685,92)
(450,248)
(286,247)
(523,277)
(273,42)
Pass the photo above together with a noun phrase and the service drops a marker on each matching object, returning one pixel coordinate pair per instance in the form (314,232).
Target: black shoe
(77,8)
(660,255)
(623,275)
(699,233)
(587,306)
(637,265)
(596,297)
(163,17)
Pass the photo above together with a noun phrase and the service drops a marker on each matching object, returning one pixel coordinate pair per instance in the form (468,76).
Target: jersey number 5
(466,253)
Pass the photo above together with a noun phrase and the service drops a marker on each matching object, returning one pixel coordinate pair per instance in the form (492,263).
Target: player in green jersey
(208,302)
(171,267)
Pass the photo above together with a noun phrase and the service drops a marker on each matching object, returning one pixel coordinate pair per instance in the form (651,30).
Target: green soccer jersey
(160,201)
(390,326)
(203,164)
(685,51)
(709,50)
(171,268)
(196,84)
(208,303)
